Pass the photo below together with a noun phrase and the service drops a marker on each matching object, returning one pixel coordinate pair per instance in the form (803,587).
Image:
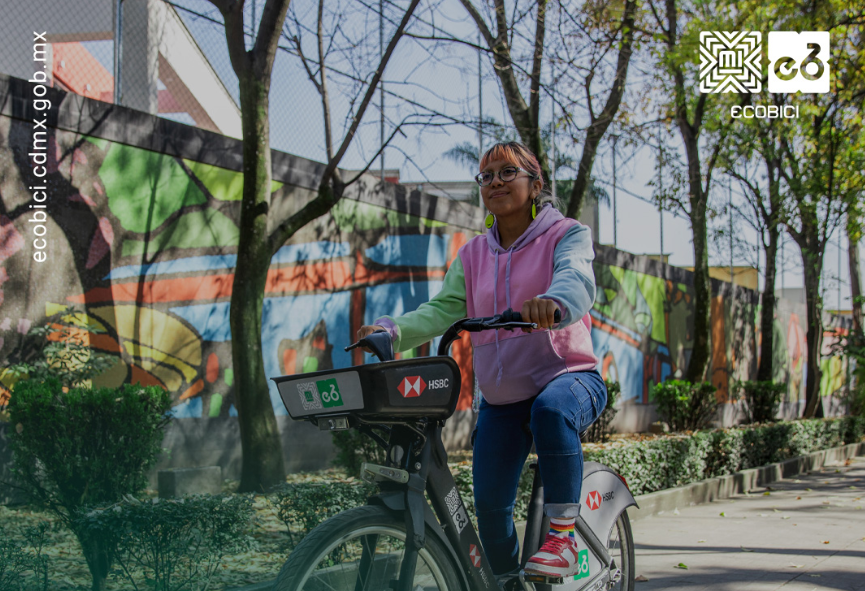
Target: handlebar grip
(514,316)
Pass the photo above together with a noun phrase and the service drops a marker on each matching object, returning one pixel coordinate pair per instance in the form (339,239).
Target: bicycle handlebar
(382,347)
(508,320)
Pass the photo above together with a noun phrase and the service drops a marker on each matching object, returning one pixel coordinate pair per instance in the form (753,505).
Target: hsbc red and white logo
(475,555)
(593,501)
(412,387)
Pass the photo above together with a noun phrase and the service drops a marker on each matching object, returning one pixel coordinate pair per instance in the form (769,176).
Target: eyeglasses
(507,174)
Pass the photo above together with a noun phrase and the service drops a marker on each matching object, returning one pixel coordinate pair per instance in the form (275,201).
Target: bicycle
(402,541)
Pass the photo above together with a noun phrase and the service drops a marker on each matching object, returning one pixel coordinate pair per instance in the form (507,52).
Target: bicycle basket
(405,389)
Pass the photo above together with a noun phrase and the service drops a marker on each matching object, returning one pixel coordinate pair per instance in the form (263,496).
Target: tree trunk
(700,353)
(263,464)
(98,559)
(577,198)
(767,312)
(854,235)
(813,263)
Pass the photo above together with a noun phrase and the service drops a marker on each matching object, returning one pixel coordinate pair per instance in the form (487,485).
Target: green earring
(534,209)
(489,220)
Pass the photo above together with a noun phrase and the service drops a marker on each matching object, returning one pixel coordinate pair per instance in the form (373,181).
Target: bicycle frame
(451,518)
(417,463)
(402,490)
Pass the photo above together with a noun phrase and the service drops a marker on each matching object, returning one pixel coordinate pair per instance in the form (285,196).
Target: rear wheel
(363,549)
(621,548)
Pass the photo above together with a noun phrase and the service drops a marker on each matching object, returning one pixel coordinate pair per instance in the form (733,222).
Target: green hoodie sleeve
(432,318)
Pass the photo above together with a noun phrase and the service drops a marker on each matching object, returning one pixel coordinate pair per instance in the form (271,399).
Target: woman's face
(512,198)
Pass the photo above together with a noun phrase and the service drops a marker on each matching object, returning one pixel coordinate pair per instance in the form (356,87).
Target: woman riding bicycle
(538,386)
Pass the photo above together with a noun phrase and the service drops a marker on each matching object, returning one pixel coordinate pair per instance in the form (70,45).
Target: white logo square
(799,62)
(730,61)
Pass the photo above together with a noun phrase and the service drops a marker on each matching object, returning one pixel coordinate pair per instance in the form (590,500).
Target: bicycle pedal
(546,579)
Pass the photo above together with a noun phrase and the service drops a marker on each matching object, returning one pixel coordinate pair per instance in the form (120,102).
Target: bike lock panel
(455,522)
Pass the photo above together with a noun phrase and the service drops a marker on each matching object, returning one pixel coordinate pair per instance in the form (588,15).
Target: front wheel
(362,549)
(621,548)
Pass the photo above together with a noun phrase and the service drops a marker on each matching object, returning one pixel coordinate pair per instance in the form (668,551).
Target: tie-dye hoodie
(552,259)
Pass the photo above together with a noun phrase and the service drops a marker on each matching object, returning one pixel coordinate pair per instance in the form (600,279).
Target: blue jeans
(502,441)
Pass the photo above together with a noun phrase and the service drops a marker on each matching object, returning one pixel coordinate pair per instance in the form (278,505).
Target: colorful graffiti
(145,244)
(161,244)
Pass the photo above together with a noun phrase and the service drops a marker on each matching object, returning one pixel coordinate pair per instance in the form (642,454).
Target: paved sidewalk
(806,534)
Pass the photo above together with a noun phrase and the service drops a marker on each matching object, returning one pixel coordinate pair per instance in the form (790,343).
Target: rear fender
(604,497)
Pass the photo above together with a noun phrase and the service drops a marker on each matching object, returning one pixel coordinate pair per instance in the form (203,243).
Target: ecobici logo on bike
(731,61)
(583,564)
(320,394)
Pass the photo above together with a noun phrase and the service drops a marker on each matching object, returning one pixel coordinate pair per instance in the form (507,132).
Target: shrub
(85,447)
(171,544)
(601,429)
(761,400)
(59,348)
(22,564)
(306,504)
(664,462)
(353,448)
(685,406)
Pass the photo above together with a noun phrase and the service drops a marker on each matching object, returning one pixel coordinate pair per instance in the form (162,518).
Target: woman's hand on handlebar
(365,331)
(541,311)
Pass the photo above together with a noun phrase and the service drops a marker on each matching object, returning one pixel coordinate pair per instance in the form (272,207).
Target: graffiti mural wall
(141,224)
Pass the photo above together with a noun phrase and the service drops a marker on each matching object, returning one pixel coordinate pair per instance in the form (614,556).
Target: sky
(447,82)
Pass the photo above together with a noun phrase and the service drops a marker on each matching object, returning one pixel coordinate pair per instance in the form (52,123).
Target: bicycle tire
(621,547)
(317,561)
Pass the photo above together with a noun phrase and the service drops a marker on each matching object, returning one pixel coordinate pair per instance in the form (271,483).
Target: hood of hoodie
(548,216)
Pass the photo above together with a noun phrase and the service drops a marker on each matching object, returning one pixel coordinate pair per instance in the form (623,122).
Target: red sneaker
(556,558)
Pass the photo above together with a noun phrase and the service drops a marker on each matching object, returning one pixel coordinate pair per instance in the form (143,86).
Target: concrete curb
(706,491)
(724,487)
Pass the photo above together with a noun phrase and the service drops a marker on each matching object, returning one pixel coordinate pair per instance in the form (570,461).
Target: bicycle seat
(395,390)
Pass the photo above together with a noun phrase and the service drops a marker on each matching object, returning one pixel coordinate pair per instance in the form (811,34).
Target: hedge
(648,466)
(676,460)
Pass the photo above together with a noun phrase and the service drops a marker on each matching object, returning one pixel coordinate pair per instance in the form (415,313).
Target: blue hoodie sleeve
(573,284)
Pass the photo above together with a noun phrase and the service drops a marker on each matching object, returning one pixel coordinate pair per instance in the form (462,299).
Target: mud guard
(604,497)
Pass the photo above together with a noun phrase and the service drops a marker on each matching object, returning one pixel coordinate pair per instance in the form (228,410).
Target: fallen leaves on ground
(641,579)
(682,566)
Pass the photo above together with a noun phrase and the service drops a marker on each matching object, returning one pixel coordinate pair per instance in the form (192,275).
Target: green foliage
(601,429)
(761,400)
(57,349)
(22,564)
(685,406)
(87,446)
(171,544)
(304,505)
(666,462)
(853,347)
(353,448)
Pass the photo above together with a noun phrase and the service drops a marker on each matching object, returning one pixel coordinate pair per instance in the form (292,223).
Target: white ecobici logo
(730,61)
(799,62)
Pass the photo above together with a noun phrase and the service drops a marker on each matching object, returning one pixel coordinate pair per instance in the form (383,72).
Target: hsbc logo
(593,501)
(475,555)
(412,387)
